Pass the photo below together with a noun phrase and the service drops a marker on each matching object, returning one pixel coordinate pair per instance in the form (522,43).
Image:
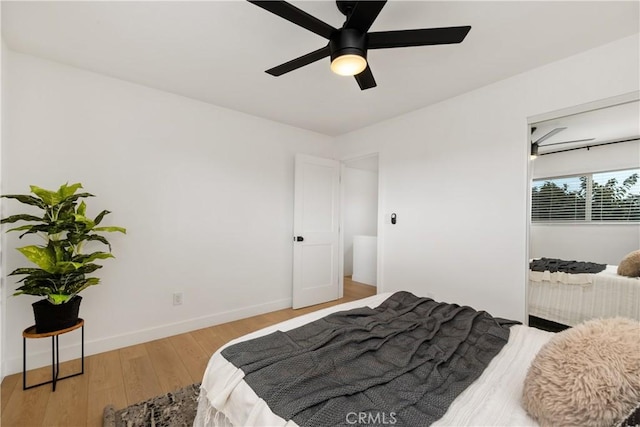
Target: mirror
(585,216)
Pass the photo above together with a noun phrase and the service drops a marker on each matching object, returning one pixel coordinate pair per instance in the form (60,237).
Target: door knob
(299,238)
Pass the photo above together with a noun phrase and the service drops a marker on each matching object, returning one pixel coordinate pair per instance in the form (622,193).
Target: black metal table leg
(24,363)
(55,354)
(53,363)
(82,351)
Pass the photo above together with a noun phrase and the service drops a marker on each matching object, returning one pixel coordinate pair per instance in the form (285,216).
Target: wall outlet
(177,298)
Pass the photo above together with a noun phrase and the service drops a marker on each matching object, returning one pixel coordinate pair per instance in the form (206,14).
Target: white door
(315,227)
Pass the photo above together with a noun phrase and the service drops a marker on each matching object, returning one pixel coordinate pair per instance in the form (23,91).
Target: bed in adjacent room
(387,359)
(571,298)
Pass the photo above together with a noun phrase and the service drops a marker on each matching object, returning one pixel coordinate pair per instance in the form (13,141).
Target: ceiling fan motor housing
(348,41)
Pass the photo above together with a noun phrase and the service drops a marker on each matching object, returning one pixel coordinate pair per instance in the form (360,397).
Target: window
(598,197)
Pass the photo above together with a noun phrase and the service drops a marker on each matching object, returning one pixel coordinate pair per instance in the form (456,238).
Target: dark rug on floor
(177,408)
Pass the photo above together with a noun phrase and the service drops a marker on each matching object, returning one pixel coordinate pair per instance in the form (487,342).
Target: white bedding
(570,302)
(492,400)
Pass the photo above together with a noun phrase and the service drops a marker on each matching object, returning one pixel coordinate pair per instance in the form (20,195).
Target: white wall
(360,214)
(365,256)
(449,240)
(155,159)
(602,243)
(205,193)
(605,244)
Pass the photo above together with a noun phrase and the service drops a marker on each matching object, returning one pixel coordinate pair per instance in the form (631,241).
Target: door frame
(380,220)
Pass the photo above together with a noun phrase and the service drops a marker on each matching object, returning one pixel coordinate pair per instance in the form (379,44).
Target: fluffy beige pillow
(588,375)
(630,265)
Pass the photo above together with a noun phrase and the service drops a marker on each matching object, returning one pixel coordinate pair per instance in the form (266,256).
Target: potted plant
(62,267)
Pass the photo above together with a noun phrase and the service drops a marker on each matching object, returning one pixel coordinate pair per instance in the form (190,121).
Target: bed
(491,399)
(569,299)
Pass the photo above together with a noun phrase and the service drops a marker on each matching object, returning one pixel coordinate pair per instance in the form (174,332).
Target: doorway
(360,219)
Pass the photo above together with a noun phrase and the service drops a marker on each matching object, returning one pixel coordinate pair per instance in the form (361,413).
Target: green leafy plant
(62,267)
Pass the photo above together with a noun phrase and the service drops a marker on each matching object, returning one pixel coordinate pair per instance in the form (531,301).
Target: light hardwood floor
(129,375)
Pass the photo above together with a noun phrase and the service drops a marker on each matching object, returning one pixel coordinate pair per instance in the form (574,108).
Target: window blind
(559,199)
(598,197)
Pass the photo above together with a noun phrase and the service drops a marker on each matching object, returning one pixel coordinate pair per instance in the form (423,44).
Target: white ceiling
(616,123)
(217,51)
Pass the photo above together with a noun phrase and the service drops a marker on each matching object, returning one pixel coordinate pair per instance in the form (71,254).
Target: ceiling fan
(349,44)
(535,145)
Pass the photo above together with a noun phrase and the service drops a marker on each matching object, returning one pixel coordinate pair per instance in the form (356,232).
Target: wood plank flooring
(129,375)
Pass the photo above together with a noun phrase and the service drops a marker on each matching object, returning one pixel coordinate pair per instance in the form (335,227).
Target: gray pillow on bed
(587,375)
(630,265)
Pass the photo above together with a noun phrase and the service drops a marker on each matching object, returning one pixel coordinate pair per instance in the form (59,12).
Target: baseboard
(101,345)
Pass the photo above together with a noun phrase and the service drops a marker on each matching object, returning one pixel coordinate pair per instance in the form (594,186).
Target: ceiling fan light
(348,65)
(534,150)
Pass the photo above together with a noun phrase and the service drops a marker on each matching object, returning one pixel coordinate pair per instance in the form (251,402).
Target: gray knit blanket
(402,363)
(554,265)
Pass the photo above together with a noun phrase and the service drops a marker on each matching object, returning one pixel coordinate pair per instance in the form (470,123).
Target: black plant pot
(51,317)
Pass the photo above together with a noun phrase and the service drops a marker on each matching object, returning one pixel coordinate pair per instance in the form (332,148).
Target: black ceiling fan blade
(568,142)
(297,16)
(363,15)
(301,61)
(422,37)
(365,79)
(549,135)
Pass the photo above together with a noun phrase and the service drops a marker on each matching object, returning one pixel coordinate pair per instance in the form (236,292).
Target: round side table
(30,332)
